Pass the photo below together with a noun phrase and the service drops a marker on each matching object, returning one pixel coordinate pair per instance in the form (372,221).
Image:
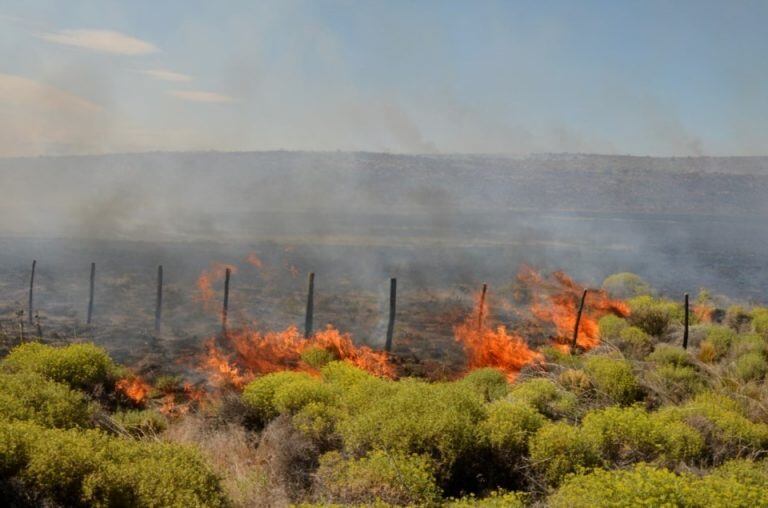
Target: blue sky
(639,77)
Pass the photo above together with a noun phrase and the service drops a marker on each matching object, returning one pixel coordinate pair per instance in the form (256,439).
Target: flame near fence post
(309,315)
(578,321)
(225,307)
(685,332)
(392,309)
(481,307)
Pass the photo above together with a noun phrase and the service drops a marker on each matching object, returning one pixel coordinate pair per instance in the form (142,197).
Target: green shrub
(722,422)
(496,499)
(544,395)
(634,342)
(392,478)
(718,340)
(611,326)
(674,382)
(15,440)
(748,343)
(434,419)
(559,448)
(259,394)
(654,315)
(750,367)
(736,483)
(82,366)
(626,285)
(290,397)
(555,356)
(167,384)
(737,317)
(613,379)
(760,321)
(317,357)
(642,485)
(632,435)
(665,354)
(344,375)
(29,396)
(509,425)
(575,381)
(489,383)
(141,422)
(317,421)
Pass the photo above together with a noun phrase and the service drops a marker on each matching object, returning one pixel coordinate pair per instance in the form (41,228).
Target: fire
(489,347)
(205,293)
(556,300)
(254,261)
(134,388)
(254,352)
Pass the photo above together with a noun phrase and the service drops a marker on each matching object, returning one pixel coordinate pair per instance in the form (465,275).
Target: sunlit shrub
(15,440)
(559,448)
(632,434)
(496,499)
(626,285)
(735,483)
(575,381)
(665,354)
(760,321)
(317,357)
(750,367)
(718,340)
(749,343)
(509,425)
(491,384)
(611,326)
(344,374)
(737,317)
(613,379)
(82,366)
(435,419)
(674,382)
(317,421)
(388,477)
(654,315)
(544,395)
(642,485)
(141,422)
(290,397)
(259,394)
(29,396)
(634,342)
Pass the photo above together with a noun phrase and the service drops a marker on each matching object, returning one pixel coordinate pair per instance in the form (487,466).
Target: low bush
(613,379)
(634,342)
(259,394)
(611,326)
(626,285)
(508,427)
(626,435)
(82,366)
(292,396)
(29,396)
(379,477)
(748,343)
(575,381)
(665,354)
(496,499)
(558,449)
(735,483)
(750,367)
(675,383)
(545,396)
(716,343)
(760,321)
(737,318)
(654,315)
(490,383)
(317,357)
(146,422)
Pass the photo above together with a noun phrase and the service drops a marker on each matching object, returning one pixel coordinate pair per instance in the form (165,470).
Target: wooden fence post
(31,289)
(578,321)
(482,308)
(225,308)
(685,332)
(309,314)
(90,294)
(392,310)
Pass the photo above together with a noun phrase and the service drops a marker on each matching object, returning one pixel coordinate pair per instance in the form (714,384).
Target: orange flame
(488,347)
(254,353)
(134,388)
(254,261)
(556,300)
(205,293)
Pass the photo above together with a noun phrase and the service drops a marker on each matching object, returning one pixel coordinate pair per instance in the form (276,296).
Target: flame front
(134,388)
(253,352)
(489,347)
(205,292)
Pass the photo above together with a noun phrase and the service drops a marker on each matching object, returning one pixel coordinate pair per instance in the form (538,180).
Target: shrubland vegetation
(636,421)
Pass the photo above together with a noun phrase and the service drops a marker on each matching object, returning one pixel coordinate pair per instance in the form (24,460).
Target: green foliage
(750,367)
(259,394)
(317,357)
(559,448)
(83,366)
(29,396)
(292,396)
(634,342)
(631,434)
(736,483)
(141,422)
(434,419)
(611,326)
(317,421)
(748,343)
(575,381)
(344,375)
(654,315)
(737,317)
(665,354)
(613,379)
(167,384)
(718,340)
(15,439)
(544,395)
(509,425)
(489,383)
(392,478)
(674,382)
(496,499)
(760,321)
(626,285)
(643,485)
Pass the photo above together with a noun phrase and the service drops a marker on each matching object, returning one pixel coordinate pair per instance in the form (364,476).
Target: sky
(660,78)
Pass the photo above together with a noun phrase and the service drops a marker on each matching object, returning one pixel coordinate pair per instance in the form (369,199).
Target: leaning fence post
(90,294)
(225,307)
(159,299)
(310,306)
(685,332)
(392,309)
(578,321)
(482,307)
(31,289)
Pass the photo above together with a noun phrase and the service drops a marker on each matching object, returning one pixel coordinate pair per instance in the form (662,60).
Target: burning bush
(379,477)
(82,366)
